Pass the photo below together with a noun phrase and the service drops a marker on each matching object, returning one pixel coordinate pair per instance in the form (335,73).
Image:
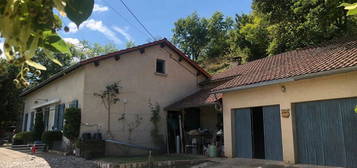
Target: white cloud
(123,32)
(73,41)
(95,25)
(72,27)
(100,8)
(99,26)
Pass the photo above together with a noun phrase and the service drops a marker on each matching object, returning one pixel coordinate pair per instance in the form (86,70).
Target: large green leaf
(35,65)
(79,10)
(55,43)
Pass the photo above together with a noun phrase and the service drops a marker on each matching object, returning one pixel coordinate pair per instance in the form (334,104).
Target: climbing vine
(155,119)
(133,125)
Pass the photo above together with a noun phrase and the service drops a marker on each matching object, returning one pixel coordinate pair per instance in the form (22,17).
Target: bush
(39,127)
(22,138)
(91,148)
(49,137)
(72,125)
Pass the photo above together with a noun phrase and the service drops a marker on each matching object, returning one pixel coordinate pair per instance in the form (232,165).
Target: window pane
(160,66)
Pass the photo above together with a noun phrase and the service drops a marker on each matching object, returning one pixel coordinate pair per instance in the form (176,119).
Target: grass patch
(155,158)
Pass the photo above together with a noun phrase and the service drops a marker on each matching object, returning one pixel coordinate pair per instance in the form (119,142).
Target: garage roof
(327,57)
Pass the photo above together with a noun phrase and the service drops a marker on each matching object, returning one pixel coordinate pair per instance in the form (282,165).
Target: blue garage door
(272,133)
(243,133)
(326,132)
(247,128)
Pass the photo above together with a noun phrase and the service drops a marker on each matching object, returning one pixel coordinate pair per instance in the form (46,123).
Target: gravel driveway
(14,159)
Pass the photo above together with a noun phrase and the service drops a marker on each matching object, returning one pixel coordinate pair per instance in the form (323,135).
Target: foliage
(23,138)
(109,97)
(48,137)
(39,127)
(130,44)
(200,37)
(72,125)
(81,51)
(134,125)
(31,25)
(271,28)
(155,119)
(352,8)
(91,148)
(10,101)
(87,50)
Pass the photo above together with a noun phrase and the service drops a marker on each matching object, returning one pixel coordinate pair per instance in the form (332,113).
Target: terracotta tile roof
(163,42)
(200,98)
(290,64)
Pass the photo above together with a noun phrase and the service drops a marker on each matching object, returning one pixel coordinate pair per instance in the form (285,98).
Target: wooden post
(181,135)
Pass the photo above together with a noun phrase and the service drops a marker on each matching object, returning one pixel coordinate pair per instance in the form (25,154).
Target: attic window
(160,66)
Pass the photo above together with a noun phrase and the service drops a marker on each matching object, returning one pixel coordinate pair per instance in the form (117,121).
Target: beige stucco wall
(136,73)
(66,89)
(327,87)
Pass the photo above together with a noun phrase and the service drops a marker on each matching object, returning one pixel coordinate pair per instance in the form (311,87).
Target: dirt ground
(14,159)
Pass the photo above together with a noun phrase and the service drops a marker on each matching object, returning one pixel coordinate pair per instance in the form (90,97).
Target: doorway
(258,133)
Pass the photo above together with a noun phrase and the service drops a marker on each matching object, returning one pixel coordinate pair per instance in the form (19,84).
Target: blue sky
(106,26)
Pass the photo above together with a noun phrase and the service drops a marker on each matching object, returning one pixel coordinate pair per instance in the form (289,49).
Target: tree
(72,125)
(296,24)
(130,44)
(203,39)
(27,26)
(83,50)
(10,101)
(109,97)
(190,34)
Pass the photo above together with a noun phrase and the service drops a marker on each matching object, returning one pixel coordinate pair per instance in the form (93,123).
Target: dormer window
(160,66)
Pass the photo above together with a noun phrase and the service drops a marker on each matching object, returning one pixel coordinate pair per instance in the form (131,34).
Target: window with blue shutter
(74,104)
(31,120)
(61,116)
(56,121)
(25,121)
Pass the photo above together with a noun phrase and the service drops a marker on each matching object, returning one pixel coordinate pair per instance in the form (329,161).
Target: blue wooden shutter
(25,121)
(61,116)
(55,125)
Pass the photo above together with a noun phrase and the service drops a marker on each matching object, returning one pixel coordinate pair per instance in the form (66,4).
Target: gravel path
(14,159)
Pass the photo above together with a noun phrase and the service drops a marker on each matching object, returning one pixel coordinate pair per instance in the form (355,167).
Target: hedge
(49,137)
(22,138)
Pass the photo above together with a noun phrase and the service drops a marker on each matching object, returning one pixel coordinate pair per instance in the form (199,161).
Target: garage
(326,132)
(258,133)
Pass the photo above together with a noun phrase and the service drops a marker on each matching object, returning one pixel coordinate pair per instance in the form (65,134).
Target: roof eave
(290,79)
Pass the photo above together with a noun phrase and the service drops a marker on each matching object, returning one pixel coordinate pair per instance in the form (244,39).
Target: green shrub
(49,137)
(91,148)
(39,127)
(22,138)
(72,125)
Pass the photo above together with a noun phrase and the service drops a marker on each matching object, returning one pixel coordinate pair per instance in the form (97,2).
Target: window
(31,120)
(25,121)
(160,66)
(46,117)
(59,114)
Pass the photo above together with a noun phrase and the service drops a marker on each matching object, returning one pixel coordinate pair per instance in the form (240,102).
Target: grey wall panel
(243,133)
(272,133)
(326,132)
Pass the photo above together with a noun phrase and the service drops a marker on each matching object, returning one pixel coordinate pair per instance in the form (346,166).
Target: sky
(110,22)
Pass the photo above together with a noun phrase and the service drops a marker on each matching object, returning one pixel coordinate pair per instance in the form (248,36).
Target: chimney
(237,60)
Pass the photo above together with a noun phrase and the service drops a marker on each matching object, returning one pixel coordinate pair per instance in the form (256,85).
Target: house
(155,73)
(298,106)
